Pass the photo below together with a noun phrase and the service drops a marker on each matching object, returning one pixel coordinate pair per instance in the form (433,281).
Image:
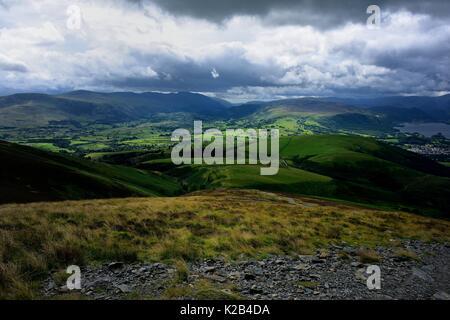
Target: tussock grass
(36,238)
(405,254)
(182,268)
(368,256)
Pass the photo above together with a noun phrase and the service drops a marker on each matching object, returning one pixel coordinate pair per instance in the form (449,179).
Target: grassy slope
(248,177)
(29,174)
(372,171)
(291,116)
(345,167)
(38,237)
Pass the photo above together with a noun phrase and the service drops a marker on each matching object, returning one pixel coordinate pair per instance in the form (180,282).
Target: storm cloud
(324,13)
(239,50)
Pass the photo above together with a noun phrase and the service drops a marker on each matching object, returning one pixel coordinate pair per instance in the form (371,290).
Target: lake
(427,129)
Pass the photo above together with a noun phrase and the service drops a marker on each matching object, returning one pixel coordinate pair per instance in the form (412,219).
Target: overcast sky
(235,49)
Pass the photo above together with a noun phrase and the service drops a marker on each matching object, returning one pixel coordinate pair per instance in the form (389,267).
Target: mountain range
(36,110)
(23,110)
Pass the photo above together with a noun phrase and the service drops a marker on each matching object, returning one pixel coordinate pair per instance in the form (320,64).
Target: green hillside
(342,167)
(29,110)
(350,168)
(290,179)
(28,174)
(372,171)
(307,116)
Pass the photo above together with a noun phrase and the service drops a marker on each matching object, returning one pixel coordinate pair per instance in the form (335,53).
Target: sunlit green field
(47,146)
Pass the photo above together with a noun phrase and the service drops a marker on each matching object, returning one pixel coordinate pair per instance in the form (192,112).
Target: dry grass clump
(405,254)
(368,256)
(182,268)
(36,238)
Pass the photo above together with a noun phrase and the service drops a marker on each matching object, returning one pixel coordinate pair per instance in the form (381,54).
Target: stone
(257,271)
(280,277)
(419,273)
(216,278)
(441,295)
(307,258)
(124,288)
(51,285)
(63,289)
(100,283)
(113,266)
(360,274)
(302,267)
(234,275)
(323,255)
(349,251)
(317,260)
(249,277)
(210,269)
(255,290)
(291,201)
(226,291)
(428,268)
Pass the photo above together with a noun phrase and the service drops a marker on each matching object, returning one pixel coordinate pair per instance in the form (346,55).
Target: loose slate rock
(280,277)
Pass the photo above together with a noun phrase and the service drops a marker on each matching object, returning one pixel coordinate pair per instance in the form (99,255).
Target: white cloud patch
(214,73)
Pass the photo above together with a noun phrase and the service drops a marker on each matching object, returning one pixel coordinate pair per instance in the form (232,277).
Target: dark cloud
(319,13)
(11,66)
(188,75)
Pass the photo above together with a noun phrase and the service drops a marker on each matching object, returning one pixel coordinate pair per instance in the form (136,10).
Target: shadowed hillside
(370,170)
(28,175)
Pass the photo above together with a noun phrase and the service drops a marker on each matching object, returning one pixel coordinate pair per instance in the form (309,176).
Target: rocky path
(338,273)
